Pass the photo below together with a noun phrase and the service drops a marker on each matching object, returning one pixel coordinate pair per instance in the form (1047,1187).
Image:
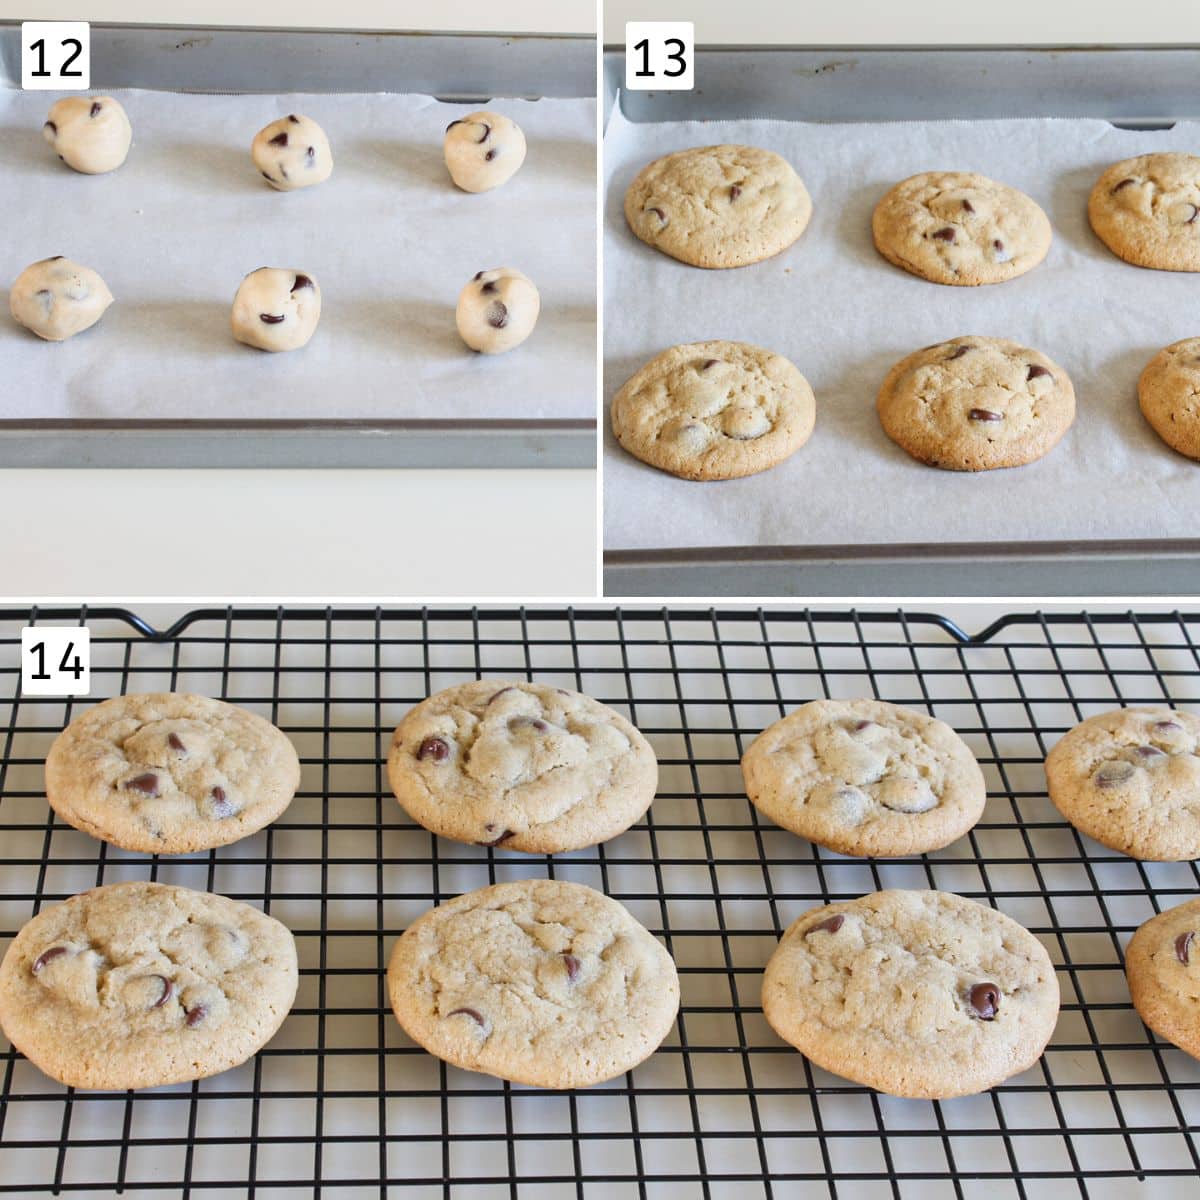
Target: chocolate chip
(266,176)
(168,990)
(478,276)
(280,139)
(295,120)
(1151,752)
(734,193)
(146,784)
(176,743)
(944,235)
(434,747)
(311,155)
(271,319)
(43,292)
(488,288)
(572,964)
(957,352)
(51,126)
(708,363)
(984,414)
(1123,184)
(474,1014)
(1036,372)
(859,726)
(1183,946)
(1166,725)
(998,245)
(487,133)
(658,212)
(221,806)
(490,154)
(47,956)
(452,125)
(504,836)
(984,999)
(302,281)
(1111,774)
(528,723)
(829,925)
(94,109)
(1192,218)
(501,692)
(193,1016)
(497,314)
(968,206)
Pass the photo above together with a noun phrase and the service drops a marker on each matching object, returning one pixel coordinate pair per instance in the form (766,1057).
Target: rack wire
(341,1104)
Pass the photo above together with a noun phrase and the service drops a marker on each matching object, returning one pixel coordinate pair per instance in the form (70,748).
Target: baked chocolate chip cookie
(521,765)
(1169,395)
(135,985)
(865,777)
(1130,779)
(960,228)
(976,404)
(168,772)
(714,410)
(718,206)
(1162,963)
(914,993)
(537,981)
(1146,210)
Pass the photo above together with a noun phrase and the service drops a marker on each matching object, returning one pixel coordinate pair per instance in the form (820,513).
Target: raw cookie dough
(276,308)
(292,153)
(1169,395)
(521,765)
(536,981)
(1146,210)
(91,134)
(920,994)
(1130,779)
(497,310)
(168,772)
(1162,963)
(959,228)
(865,777)
(975,404)
(718,206)
(714,410)
(483,150)
(57,298)
(140,984)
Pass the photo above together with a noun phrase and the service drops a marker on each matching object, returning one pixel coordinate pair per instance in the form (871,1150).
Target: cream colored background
(917,22)
(475,16)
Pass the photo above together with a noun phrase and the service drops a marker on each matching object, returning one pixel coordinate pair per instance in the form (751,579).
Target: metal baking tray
(458,67)
(1134,87)
(341,1103)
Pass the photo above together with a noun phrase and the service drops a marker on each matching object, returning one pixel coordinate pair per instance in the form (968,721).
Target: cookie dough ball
(292,153)
(91,134)
(497,310)
(276,308)
(56,298)
(483,151)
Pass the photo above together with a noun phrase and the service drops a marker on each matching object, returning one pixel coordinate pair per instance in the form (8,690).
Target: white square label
(660,56)
(56,56)
(56,660)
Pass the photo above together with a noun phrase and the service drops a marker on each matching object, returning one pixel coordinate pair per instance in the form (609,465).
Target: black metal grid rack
(340,1104)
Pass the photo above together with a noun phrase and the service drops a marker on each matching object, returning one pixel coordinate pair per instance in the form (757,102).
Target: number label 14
(660,56)
(56,56)
(56,660)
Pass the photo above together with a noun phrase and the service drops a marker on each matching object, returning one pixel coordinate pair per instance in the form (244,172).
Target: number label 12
(56,56)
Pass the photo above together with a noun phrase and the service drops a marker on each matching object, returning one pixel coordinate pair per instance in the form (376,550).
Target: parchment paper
(388,236)
(833,306)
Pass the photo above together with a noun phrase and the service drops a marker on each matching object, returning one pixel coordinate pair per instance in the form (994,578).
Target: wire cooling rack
(341,1104)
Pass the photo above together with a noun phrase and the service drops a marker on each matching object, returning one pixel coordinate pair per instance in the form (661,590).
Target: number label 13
(660,56)
(56,56)
(55,660)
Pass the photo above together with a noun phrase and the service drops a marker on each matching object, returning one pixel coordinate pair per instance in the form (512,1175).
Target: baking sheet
(388,236)
(833,306)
